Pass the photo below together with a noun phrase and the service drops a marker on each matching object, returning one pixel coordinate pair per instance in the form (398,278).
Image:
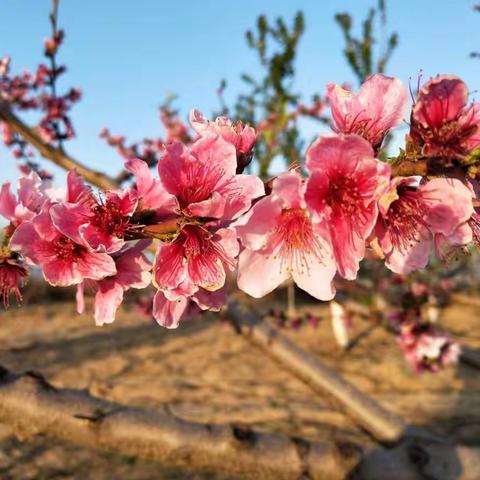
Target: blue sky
(125,56)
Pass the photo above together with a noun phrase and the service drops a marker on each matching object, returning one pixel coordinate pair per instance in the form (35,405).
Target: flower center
(405,217)
(110,219)
(296,239)
(65,248)
(199,183)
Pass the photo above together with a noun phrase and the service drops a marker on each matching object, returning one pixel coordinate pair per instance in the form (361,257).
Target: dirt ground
(206,372)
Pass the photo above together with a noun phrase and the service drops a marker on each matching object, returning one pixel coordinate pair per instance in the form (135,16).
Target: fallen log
(31,406)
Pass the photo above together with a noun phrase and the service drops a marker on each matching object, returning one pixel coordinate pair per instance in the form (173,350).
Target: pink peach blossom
(100,224)
(192,269)
(281,240)
(442,125)
(133,271)
(27,203)
(242,137)
(203,179)
(196,258)
(412,217)
(345,184)
(63,261)
(379,106)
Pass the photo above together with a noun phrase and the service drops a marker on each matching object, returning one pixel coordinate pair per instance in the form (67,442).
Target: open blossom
(13,275)
(31,195)
(282,240)
(133,271)
(63,261)
(442,124)
(242,137)
(412,217)
(203,179)
(345,184)
(194,267)
(196,258)
(100,224)
(380,105)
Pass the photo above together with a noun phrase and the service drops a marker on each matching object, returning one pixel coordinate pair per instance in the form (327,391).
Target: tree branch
(56,155)
(408,168)
(31,406)
(382,424)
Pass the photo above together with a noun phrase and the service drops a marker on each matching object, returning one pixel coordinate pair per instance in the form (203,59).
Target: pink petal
(348,247)
(410,259)
(8,202)
(345,106)
(107,300)
(440,100)
(214,150)
(256,225)
(26,240)
(152,193)
(68,218)
(471,118)
(77,190)
(29,193)
(133,270)
(450,203)
(96,266)
(213,207)
(211,300)
(340,153)
(289,188)
(385,100)
(168,313)
(239,194)
(80,298)
(99,240)
(207,271)
(169,267)
(259,273)
(198,121)
(62,273)
(315,275)
(126,200)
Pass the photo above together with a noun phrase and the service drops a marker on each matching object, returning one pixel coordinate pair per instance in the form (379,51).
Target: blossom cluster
(207,218)
(37,92)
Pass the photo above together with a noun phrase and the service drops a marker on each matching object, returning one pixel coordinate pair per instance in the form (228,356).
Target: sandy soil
(206,372)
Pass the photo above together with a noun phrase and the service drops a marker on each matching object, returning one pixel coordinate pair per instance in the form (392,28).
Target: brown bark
(56,155)
(31,406)
(408,168)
